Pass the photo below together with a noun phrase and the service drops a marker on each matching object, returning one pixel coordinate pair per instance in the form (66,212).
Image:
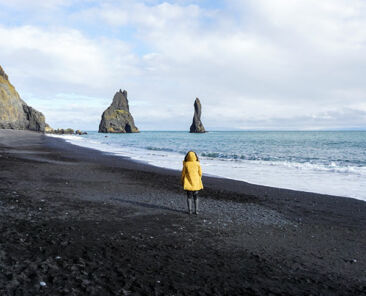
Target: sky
(254,64)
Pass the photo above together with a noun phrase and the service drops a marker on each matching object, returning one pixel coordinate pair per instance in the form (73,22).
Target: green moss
(120,111)
(112,115)
(69,131)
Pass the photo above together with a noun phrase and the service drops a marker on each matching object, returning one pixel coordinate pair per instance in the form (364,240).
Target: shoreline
(87,223)
(281,175)
(238,186)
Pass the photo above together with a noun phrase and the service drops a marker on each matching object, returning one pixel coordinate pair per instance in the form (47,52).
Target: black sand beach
(79,222)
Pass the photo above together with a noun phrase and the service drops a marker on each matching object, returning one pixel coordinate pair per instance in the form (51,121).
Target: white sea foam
(327,179)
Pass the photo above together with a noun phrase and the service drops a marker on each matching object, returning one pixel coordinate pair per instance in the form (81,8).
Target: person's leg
(189,201)
(195,196)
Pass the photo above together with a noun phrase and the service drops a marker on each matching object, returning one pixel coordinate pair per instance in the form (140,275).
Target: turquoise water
(325,162)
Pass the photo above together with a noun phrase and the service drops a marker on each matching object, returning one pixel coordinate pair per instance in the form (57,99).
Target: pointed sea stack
(197,126)
(14,112)
(117,118)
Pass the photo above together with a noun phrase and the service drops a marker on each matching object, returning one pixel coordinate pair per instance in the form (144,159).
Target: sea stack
(14,112)
(197,126)
(117,118)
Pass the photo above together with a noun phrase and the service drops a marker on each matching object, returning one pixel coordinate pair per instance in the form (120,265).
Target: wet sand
(75,221)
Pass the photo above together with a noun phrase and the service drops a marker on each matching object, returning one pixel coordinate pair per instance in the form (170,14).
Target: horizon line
(254,130)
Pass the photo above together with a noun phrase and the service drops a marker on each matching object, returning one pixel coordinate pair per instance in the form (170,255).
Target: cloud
(252,63)
(64,55)
(347,118)
(46,66)
(63,60)
(34,4)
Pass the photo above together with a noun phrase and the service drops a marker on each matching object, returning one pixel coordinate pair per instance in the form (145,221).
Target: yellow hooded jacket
(191,173)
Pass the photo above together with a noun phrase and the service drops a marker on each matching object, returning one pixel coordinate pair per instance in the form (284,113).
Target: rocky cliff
(197,126)
(117,118)
(14,112)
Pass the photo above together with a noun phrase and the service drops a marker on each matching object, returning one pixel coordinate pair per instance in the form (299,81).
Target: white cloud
(65,58)
(43,64)
(22,4)
(253,63)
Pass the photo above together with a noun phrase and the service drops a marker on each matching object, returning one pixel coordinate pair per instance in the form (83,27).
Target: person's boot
(189,204)
(196,206)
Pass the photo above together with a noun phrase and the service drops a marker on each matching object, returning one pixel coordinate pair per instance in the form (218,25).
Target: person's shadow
(147,205)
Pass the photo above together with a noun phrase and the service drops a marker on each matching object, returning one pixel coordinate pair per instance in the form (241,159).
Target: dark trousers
(192,195)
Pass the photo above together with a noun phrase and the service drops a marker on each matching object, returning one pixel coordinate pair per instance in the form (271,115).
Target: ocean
(329,162)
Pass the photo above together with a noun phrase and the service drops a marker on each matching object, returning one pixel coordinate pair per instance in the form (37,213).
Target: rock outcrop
(197,126)
(117,118)
(80,133)
(14,112)
(48,129)
(62,131)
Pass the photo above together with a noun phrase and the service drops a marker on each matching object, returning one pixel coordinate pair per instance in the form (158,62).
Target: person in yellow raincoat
(192,179)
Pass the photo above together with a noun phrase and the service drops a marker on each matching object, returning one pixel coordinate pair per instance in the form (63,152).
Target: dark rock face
(35,118)
(14,112)
(197,126)
(117,118)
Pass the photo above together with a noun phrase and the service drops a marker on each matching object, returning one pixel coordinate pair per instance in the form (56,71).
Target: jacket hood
(191,156)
